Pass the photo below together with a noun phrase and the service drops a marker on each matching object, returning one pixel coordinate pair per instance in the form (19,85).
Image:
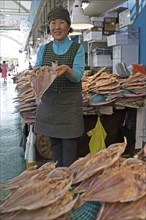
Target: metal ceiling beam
(20,5)
(14,13)
(11,38)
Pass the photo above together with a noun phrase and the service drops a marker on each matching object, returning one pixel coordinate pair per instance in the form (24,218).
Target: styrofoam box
(92,35)
(111,14)
(127,54)
(117,52)
(101,57)
(115,61)
(101,51)
(102,60)
(118,39)
(97,19)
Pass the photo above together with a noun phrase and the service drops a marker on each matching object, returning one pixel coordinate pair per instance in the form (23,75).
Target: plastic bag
(98,135)
(30,148)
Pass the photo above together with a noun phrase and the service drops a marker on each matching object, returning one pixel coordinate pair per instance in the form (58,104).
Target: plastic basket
(88,211)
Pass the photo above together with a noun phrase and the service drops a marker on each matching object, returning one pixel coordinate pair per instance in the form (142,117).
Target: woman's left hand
(61,69)
(64,69)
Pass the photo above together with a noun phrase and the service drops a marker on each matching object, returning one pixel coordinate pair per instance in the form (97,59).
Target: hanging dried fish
(42,79)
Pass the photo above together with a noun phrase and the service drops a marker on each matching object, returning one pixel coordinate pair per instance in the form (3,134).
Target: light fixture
(85,4)
(75,33)
(79,20)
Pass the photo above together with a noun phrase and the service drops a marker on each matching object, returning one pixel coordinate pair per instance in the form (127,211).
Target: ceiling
(15,7)
(98,7)
(94,9)
(14,13)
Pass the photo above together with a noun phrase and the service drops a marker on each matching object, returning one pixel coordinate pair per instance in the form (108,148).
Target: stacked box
(101,60)
(102,51)
(92,35)
(127,54)
(121,39)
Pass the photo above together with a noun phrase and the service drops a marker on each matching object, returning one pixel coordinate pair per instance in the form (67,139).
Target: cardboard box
(109,26)
(110,19)
(108,33)
(96,28)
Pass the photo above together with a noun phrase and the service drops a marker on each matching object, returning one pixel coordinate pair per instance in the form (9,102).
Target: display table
(113,125)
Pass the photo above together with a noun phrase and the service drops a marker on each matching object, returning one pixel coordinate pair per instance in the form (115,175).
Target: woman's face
(59,29)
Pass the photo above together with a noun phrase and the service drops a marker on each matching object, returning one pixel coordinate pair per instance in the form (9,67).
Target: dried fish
(122,184)
(43,78)
(36,195)
(54,211)
(25,176)
(125,211)
(99,161)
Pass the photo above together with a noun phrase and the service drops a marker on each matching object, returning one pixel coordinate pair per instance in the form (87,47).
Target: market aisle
(12,161)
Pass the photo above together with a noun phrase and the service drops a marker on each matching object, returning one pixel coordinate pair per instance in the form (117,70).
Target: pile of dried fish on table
(31,85)
(136,83)
(129,92)
(49,193)
(25,100)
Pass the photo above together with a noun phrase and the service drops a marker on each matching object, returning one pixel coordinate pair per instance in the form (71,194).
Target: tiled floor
(12,161)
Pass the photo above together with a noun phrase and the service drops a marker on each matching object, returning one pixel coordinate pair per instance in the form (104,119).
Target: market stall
(115,100)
